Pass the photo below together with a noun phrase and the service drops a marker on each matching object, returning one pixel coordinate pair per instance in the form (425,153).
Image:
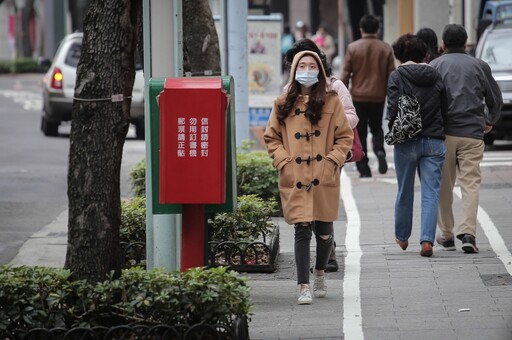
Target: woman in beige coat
(308,137)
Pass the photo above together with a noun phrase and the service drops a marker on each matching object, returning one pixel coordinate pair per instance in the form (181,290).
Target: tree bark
(27,12)
(98,132)
(200,40)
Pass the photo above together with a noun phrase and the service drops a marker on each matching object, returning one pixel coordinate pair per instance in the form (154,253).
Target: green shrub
(5,67)
(21,65)
(27,296)
(256,175)
(210,295)
(251,220)
(32,297)
(138,178)
(133,220)
(26,65)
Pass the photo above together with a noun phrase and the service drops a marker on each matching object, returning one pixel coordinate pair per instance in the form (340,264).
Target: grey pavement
(401,294)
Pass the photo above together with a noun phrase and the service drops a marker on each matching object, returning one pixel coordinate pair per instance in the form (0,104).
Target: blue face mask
(307,78)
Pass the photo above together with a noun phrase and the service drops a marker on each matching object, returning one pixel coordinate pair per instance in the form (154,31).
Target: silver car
(495,48)
(59,89)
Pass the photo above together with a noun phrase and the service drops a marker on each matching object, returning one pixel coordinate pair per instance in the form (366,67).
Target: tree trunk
(77,10)
(98,132)
(201,43)
(26,14)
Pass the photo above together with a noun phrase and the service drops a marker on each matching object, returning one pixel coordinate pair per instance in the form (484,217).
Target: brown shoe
(426,249)
(402,244)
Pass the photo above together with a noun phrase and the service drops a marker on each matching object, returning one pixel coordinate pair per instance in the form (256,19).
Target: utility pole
(163,57)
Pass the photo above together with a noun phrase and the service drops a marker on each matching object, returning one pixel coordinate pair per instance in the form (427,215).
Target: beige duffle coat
(309,159)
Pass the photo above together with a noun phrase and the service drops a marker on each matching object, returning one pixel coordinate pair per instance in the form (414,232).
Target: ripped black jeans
(303,234)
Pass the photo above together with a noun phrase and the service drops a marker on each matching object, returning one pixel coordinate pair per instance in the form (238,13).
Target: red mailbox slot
(193,141)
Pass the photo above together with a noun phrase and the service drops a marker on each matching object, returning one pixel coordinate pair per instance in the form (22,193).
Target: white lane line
(29,100)
(497,243)
(352,318)
(485,164)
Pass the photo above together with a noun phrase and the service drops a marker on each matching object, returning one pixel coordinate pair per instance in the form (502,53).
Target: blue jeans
(427,155)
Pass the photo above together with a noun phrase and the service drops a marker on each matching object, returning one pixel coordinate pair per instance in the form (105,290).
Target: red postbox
(193,141)
(193,155)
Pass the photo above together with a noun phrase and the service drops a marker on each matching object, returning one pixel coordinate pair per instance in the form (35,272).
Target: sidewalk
(396,294)
(47,247)
(380,292)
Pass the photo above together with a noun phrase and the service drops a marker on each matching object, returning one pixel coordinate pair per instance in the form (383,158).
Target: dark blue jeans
(427,155)
(303,234)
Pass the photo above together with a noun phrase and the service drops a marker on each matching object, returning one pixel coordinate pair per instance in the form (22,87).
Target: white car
(59,89)
(495,48)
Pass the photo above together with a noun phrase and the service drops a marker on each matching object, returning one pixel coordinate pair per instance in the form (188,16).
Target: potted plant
(246,239)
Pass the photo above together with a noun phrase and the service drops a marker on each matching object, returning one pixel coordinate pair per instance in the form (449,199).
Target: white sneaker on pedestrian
(305,297)
(319,287)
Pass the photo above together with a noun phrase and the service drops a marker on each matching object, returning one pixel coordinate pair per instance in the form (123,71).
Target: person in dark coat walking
(469,82)
(429,37)
(425,151)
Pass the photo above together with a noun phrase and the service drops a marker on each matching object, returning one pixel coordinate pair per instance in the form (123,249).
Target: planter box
(134,254)
(244,256)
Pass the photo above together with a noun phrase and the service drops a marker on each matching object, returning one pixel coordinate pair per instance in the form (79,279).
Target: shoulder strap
(402,86)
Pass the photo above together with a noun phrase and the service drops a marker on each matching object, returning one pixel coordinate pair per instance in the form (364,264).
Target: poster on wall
(264,65)
(265,75)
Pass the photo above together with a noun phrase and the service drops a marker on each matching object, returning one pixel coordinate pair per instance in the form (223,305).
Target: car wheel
(139,129)
(50,129)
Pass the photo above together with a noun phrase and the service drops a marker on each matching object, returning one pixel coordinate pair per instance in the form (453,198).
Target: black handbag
(407,123)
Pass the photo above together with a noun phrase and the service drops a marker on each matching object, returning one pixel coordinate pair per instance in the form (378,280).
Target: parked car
(495,48)
(493,12)
(59,89)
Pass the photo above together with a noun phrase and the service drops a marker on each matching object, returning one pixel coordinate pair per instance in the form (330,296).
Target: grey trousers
(303,234)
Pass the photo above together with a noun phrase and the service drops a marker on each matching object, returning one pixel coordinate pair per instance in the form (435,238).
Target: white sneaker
(305,297)
(320,287)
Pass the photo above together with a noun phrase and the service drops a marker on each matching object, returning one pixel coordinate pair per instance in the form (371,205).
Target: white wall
(391,23)
(436,14)
(5,50)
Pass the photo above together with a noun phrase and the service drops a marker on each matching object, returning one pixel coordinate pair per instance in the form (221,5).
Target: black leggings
(303,233)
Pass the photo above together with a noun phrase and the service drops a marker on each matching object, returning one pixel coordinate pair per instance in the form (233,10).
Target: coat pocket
(286,176)
(330,174)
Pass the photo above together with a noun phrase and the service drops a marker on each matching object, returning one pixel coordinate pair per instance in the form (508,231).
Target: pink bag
(356,152)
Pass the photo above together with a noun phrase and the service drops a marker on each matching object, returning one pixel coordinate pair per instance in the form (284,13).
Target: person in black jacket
(426,151)
(429,37)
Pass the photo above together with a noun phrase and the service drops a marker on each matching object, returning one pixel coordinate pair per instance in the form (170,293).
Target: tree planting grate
(497,279)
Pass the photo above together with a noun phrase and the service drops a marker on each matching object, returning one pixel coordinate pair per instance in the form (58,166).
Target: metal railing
(238,331)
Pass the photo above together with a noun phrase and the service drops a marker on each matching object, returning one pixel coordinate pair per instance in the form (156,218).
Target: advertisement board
(264,65)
